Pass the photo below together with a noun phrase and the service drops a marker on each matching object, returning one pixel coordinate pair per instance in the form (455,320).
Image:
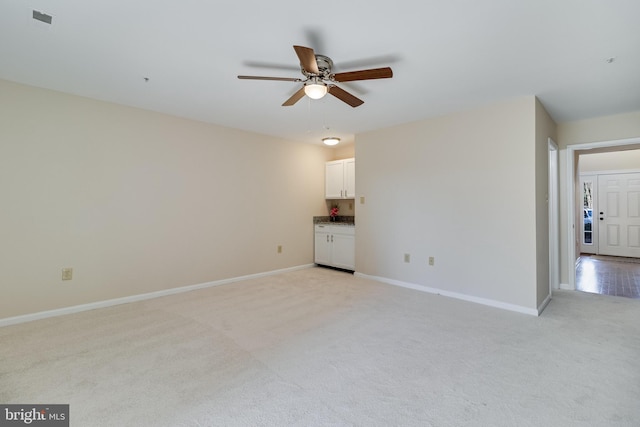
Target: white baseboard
(133,298)
(566,287)
(544,304)
(464,297)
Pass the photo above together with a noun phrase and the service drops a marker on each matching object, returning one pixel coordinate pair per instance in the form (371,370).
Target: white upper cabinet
(340,179)
(350,178)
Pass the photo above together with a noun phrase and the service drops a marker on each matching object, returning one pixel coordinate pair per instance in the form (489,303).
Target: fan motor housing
(325,65)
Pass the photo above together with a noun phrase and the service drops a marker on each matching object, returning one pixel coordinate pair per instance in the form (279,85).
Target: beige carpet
(317,347)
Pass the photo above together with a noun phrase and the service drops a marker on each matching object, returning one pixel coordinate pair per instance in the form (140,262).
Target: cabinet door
(350,178)
(334,180)
(343,251)
(322,247)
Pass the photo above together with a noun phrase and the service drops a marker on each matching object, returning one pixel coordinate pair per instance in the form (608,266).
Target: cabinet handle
(332,238)
(327,238)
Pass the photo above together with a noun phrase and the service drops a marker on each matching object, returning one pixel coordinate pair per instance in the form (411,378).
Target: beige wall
(137,201)
(609,128)
(545,129)
(619,127)
(617,160)
(459,188)
(344,151)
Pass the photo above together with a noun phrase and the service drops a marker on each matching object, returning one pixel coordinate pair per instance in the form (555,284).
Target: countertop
(339,220)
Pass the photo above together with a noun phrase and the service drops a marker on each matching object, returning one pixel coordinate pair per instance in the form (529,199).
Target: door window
(587,215)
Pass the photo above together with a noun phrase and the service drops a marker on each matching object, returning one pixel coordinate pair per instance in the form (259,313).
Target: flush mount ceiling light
(332,140)
(314,89)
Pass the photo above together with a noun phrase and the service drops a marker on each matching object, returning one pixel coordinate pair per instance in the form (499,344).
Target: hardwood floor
(608,275)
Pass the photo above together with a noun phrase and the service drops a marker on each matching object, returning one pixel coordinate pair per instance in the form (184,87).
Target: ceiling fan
(319,79)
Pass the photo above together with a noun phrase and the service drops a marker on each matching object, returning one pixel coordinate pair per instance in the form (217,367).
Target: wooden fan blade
(283,79)
(374,73)
(307,59)
(345,96)
(294,98)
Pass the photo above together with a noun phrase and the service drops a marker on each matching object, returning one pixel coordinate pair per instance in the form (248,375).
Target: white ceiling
(446,55)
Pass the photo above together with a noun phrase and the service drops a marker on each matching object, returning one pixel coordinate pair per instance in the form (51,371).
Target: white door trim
(554,217)
(571,178)
(610,172)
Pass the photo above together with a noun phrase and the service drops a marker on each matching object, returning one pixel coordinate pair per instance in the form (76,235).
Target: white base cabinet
(335,246)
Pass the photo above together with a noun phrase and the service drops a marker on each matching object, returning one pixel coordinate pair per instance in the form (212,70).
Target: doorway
(575,219)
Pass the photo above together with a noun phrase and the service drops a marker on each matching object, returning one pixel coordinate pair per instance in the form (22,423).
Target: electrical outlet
(67,273)
(362,200)
(432,260)
(407,258)
(279,249)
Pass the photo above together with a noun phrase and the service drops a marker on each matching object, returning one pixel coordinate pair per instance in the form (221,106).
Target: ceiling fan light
(315,90)
(332,140)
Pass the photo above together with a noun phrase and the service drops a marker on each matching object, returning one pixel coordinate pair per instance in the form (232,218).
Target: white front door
(618,214)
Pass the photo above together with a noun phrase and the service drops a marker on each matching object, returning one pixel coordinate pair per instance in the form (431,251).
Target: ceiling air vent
(43,17)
